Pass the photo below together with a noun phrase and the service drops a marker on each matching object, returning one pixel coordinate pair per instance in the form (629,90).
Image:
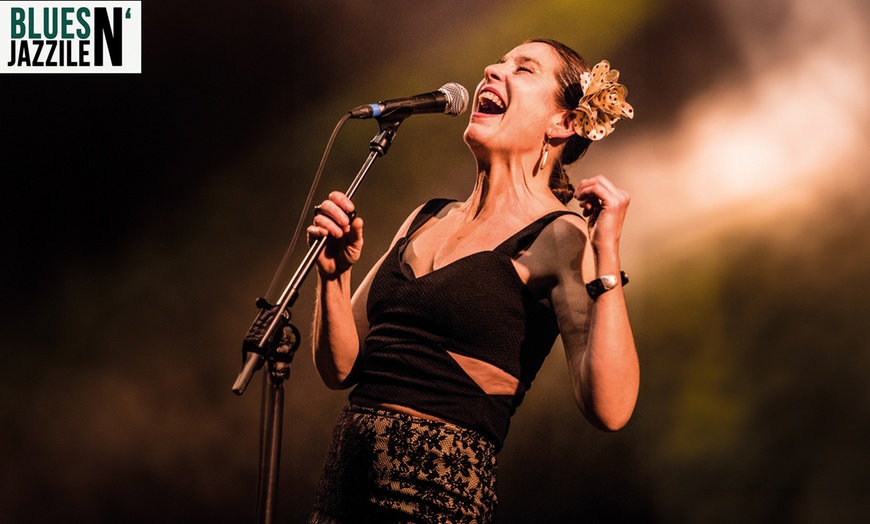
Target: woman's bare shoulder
(568,229)
(561,245)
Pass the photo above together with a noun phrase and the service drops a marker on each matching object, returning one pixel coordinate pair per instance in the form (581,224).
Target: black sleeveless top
(476,306)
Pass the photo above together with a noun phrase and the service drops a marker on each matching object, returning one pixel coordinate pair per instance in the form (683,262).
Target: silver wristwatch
(605,283)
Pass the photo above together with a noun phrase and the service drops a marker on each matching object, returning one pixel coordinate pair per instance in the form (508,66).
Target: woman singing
(446,333)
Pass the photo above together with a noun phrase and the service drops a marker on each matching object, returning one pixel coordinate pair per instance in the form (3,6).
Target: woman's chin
(476,133)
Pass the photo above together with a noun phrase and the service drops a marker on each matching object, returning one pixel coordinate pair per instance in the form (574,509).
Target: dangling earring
(545,153)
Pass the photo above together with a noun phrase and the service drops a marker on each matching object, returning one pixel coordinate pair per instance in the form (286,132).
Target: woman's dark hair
(567,97)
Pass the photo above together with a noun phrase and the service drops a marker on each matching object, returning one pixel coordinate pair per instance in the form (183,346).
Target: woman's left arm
(597,336)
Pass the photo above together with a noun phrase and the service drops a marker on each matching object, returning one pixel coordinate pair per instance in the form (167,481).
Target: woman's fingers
(604,204)
(333,216)
(336,219)
(599,192)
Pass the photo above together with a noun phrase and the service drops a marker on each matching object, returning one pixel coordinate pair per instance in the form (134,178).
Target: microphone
(451,99)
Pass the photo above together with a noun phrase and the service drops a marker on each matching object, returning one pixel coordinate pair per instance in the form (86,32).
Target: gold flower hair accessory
(602,104)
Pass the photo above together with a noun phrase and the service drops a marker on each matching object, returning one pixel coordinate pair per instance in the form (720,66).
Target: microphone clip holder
(268,344)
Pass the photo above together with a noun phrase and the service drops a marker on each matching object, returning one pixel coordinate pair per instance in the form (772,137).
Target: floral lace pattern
(603,103)
(392,467)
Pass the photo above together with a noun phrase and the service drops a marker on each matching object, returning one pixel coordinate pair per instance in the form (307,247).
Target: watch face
(609,281)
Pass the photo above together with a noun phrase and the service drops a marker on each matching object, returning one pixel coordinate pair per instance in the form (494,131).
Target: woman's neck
(511,186)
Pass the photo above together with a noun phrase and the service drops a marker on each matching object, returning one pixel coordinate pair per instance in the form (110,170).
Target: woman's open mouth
(490,103)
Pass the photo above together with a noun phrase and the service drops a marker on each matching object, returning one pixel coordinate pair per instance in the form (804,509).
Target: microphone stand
(272,340)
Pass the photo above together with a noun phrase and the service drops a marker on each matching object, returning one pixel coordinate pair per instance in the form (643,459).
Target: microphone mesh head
(457,98)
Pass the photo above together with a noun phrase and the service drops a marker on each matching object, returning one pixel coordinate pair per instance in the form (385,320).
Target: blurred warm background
(141,216)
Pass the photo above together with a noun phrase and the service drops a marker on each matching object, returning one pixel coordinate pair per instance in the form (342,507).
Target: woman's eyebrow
(528,60)
(522,59)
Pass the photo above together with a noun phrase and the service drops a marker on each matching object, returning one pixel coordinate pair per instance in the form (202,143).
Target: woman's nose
(493,71)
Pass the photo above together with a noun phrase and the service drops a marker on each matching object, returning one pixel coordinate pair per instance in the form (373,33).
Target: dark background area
(142,215)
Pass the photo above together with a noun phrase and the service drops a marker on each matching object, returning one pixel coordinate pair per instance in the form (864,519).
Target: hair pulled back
(568,95)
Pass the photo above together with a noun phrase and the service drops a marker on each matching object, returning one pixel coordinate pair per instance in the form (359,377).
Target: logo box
(70,37)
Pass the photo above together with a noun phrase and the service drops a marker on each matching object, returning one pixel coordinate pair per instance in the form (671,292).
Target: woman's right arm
(334,335)
(340,322)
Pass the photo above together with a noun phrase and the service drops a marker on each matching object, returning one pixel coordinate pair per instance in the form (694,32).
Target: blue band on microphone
(376,110)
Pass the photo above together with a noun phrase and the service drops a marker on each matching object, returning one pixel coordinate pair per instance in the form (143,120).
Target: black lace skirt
(387,467)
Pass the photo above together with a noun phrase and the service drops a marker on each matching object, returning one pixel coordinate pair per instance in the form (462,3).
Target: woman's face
(514,105)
